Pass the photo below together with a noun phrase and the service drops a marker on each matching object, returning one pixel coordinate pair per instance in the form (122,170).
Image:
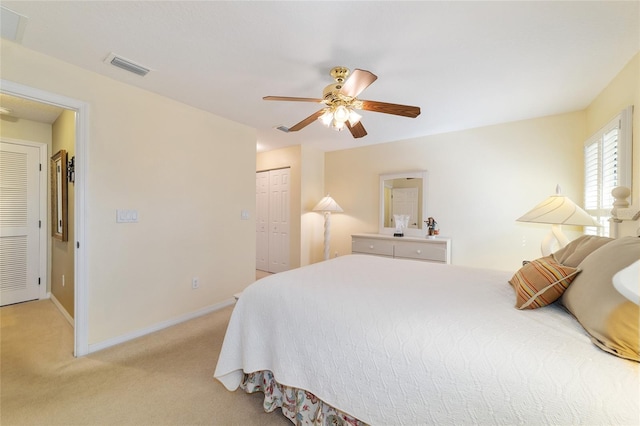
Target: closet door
(19,223)
(279,220)
(262,221)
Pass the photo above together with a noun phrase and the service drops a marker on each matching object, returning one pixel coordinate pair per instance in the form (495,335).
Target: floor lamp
(327,205)
(557,210)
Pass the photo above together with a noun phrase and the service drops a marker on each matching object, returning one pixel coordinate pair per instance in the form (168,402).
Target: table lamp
(557,210)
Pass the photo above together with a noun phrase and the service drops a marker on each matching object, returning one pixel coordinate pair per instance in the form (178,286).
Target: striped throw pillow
(541,282)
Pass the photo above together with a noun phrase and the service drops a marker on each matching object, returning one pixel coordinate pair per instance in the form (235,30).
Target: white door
(279,220)
(262,221)
(405,201)
(19,223)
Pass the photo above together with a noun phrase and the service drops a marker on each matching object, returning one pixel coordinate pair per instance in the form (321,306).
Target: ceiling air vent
(127,65)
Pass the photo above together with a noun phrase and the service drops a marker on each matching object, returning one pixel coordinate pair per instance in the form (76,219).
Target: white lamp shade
(558,210)
(328,204)
(326,117)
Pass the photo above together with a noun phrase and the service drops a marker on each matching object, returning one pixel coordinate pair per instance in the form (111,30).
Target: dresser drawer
(433,252)
(428,250)
(372,246)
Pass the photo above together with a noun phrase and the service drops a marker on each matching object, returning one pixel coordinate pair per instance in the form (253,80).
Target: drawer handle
(418,251)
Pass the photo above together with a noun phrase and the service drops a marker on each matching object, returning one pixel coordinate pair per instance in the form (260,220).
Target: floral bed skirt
(300,406)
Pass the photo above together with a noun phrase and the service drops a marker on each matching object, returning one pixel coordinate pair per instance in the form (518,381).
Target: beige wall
(312,223)
(62,252)
(26,130)
(622,91)
(188,173)
(479,182)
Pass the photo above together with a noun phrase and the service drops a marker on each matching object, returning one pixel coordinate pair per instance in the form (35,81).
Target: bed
(369,340)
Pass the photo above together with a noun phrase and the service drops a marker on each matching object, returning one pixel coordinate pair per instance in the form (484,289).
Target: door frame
(81,326)
(43,232)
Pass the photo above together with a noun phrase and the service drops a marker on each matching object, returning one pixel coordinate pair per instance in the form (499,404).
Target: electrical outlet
(195,283)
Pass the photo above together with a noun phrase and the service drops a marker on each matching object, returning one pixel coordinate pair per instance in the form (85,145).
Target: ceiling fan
(340,100)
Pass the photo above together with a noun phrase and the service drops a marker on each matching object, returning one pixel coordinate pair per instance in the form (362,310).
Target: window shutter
(607,164)
(592,177)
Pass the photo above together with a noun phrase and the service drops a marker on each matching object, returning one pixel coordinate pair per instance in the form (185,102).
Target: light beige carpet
(165,378)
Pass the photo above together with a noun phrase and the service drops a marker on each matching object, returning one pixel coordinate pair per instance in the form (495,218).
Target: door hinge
(77,244)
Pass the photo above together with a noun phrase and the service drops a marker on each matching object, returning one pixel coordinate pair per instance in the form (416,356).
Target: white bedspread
(393,341)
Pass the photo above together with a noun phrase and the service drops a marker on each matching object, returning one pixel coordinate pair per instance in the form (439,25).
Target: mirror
(403,193)
(59,195)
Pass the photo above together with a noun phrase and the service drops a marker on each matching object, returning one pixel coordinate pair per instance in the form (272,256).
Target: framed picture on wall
(59,221)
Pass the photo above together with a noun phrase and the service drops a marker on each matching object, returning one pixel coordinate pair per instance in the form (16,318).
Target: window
(607,164)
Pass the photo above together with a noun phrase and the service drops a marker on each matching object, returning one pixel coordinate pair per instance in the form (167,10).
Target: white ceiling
(28,109)
(465,64)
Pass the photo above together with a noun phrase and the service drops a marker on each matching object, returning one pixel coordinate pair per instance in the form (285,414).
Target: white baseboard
(159,326)
(62,310)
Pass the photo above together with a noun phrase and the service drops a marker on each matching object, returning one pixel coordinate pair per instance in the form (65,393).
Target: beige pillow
(575,252)
(541,282)
(609,318)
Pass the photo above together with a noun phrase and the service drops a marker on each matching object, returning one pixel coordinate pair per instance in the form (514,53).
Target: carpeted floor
(165,378)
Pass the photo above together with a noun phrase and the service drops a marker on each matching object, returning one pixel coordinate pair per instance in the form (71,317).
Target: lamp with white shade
(327,205)
(557,210)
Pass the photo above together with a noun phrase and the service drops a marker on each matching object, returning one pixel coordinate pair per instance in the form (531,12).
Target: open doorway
(77,242)
(37,150)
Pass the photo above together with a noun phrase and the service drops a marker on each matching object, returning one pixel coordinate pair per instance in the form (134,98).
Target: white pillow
(627,282)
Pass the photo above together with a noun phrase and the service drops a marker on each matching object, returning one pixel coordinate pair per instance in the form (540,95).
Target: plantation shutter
(607,164)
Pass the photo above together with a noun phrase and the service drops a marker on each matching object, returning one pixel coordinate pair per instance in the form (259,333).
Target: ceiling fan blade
(357,82)
(387,108)
(287,98)
(304,123)
(358,130)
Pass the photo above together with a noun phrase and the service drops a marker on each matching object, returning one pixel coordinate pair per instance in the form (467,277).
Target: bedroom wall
(62,252)
(27,130)
(479,182)
(187,172)
(312,223)
(622,91)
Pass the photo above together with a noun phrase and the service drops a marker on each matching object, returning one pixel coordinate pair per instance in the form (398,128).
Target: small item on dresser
(432,228)
(402,221)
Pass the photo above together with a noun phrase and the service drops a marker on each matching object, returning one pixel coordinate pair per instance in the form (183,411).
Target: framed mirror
(404,193)
(59,195)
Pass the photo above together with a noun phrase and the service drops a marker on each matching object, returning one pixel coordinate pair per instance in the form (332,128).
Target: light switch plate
(126,216)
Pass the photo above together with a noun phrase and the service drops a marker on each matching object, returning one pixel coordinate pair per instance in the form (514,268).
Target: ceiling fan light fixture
(337,125)
(339,101)
(341,114)
(354,117)
(327,117)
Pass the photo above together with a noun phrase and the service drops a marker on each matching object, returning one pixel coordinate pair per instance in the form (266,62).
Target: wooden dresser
(429,250)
